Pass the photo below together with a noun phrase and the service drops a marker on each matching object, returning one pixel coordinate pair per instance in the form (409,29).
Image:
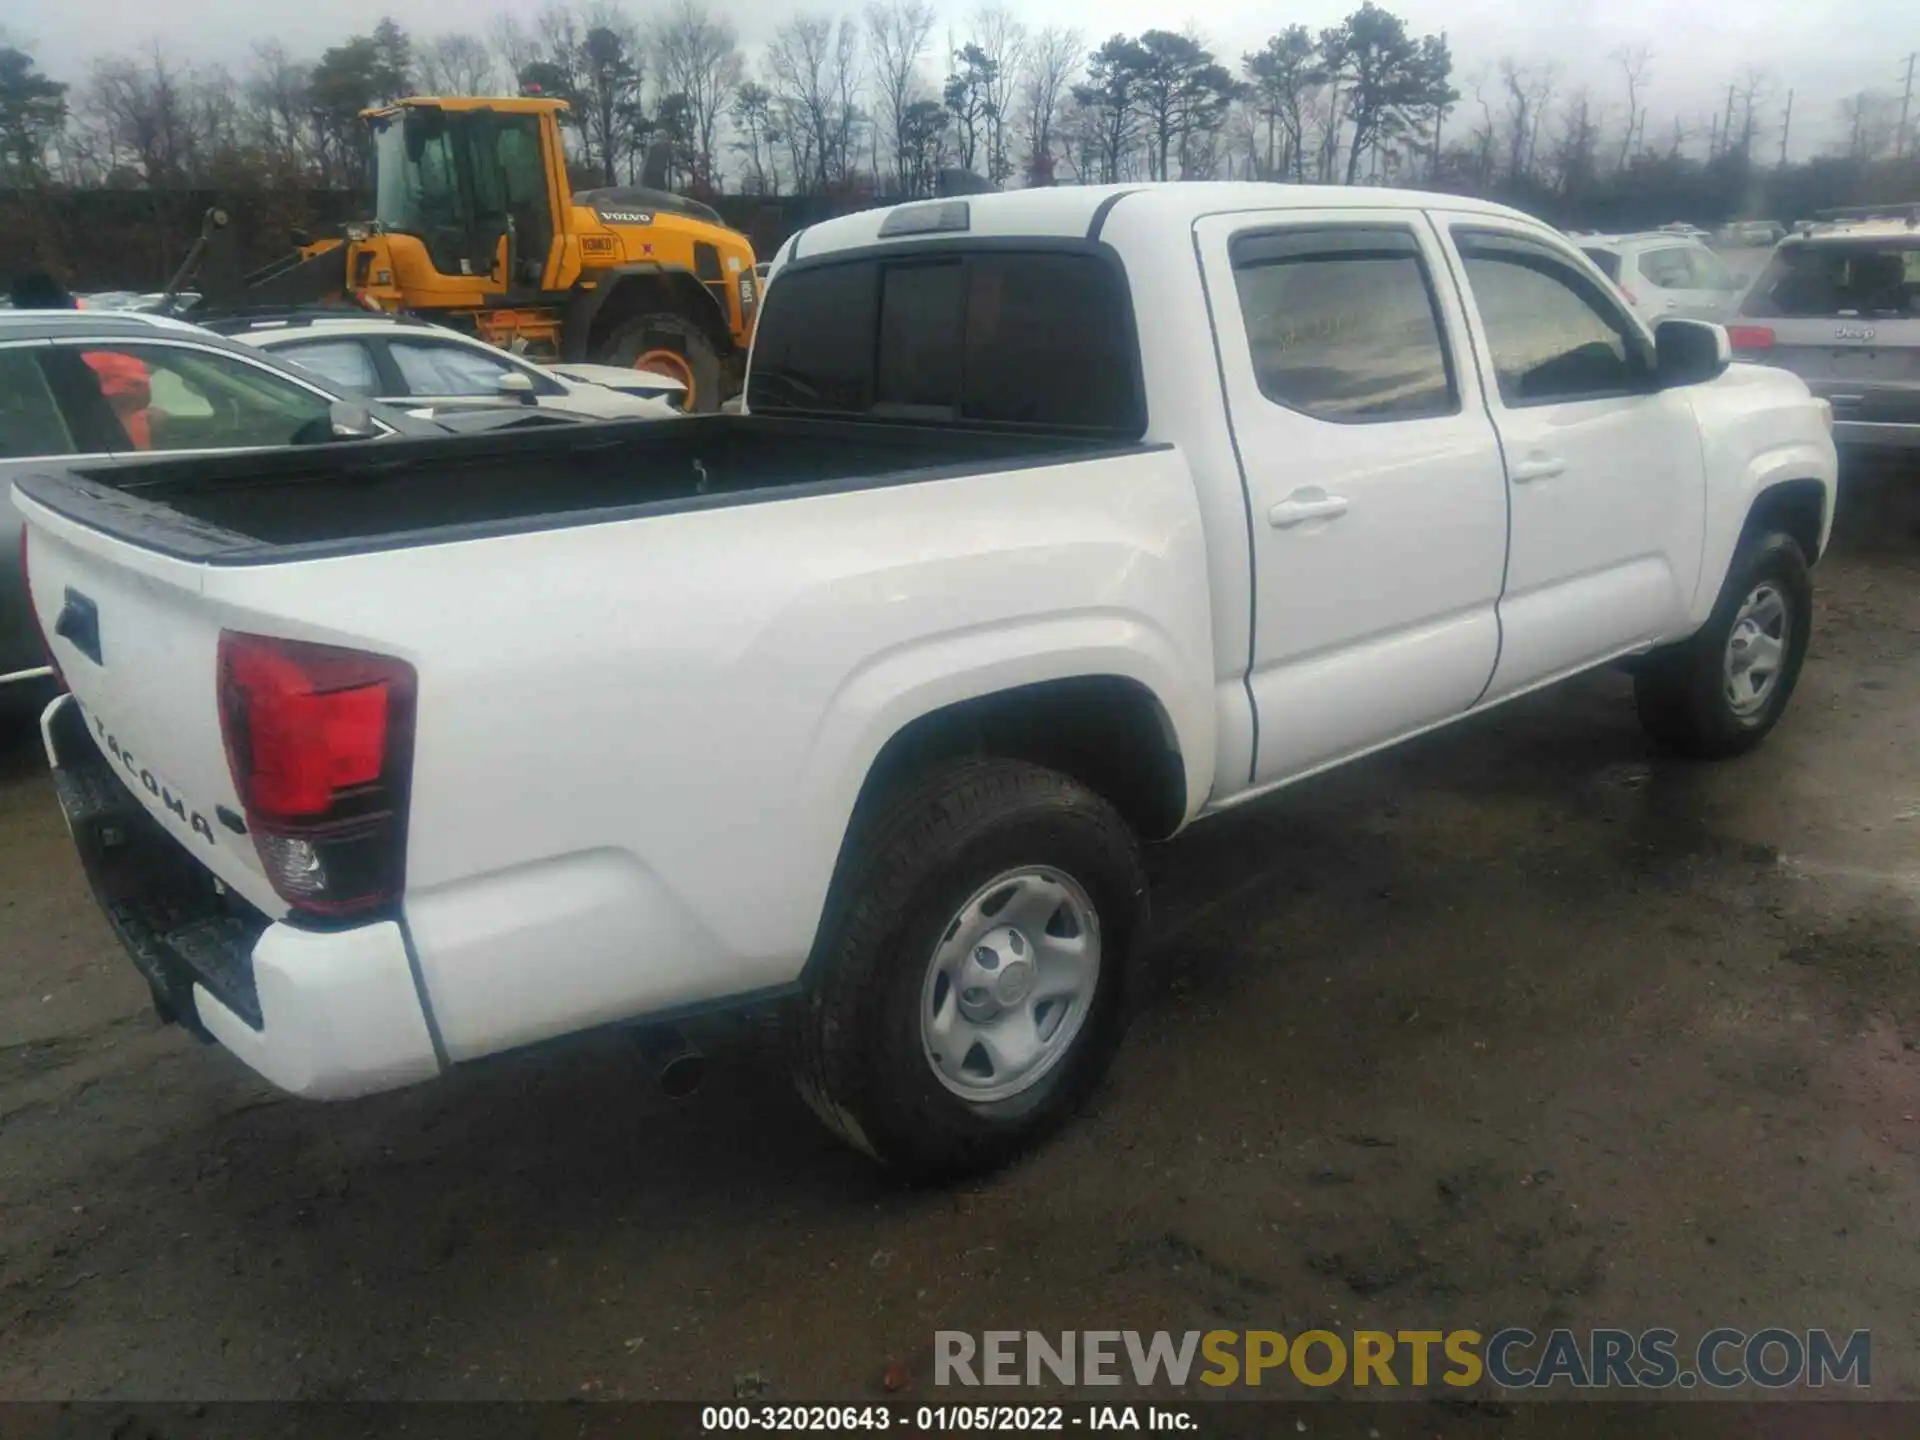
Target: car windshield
(414,195)
(454,166)
(1828,278)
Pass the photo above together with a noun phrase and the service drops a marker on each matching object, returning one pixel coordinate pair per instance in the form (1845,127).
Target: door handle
(1540,467)
(1291,512)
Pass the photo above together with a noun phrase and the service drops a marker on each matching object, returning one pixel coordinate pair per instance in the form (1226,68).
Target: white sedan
(408,362)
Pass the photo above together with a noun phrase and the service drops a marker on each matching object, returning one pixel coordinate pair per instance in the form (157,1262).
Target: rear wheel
(974,979)
(1720,692)
(670,345)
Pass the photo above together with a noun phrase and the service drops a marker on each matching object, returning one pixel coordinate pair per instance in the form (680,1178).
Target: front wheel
(975,973)
(674,346)
(1719,693)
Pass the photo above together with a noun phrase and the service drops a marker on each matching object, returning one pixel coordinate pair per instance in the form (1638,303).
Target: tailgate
(138,645)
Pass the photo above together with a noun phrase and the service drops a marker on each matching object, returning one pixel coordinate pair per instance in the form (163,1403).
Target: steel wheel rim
(673,365)
(1010,984)
(1756,650)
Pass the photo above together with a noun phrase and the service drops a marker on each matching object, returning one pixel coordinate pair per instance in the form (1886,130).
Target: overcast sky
(1823,49)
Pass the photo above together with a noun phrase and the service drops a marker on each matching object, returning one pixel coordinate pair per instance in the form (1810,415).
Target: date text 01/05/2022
(944,1419)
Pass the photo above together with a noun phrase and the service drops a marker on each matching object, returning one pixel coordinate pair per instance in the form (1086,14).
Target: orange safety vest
(126,386)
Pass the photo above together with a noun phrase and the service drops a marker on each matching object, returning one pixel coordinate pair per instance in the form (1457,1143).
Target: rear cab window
(1030,338)
(1828,279)
(1343,324)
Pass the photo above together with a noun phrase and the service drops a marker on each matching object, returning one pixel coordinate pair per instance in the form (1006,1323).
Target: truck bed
(348,498)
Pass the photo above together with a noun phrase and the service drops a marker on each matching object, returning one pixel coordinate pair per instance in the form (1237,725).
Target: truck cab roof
(1081,211)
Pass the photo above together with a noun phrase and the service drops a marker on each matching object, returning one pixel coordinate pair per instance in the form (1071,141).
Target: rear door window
(1667,269)
(1033,339)
(1838,278)
(30,421)
(1343,324)
(347,363)
(430,367)
(176,397)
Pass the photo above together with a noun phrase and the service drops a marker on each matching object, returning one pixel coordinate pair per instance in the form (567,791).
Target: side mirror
(351,422)
(516,386)
(1690,352)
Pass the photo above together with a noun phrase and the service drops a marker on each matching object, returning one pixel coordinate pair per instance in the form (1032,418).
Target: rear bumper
(323,1014)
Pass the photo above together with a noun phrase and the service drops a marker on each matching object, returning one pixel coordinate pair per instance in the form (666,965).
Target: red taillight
(1750,337)
(46,645)
(319,743)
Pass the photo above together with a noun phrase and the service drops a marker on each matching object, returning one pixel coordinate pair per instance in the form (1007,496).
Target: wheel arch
(1795,507)
(1790,487)
(1110,731)
(629,290)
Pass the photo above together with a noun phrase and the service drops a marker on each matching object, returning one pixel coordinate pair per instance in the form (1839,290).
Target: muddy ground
(1522,1025)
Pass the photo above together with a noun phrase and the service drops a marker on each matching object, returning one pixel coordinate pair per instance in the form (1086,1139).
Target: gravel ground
(1520,1025)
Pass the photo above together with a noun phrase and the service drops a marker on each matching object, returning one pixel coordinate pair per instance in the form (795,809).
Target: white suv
(1665,275)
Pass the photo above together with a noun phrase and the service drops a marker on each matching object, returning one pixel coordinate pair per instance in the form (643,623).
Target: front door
(1604,468)
(1376,503)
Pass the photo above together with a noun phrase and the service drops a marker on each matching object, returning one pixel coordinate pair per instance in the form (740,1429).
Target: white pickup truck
(1059,520)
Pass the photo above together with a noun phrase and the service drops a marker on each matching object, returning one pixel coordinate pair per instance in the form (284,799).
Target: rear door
(1844,315)
(33,428)
(1378,509)
(1604,468)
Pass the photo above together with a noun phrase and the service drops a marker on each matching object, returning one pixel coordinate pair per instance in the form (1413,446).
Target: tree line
(875,105)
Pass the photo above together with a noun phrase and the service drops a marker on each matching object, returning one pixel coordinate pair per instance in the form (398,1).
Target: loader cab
(472,184)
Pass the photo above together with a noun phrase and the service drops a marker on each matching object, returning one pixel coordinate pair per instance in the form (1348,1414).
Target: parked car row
(1665,275)
(115,383)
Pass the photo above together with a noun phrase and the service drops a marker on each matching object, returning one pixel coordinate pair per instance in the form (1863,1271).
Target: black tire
(859,1059)
(1682,692)
(670,331)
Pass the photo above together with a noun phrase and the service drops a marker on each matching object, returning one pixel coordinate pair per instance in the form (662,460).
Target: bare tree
(1574,160)
(847,81)
(278,107)
(1529,95)
(1002,40)
(816,63)
(140,107)
(1636,65)
(698,56)
(897,35)
(515,45)
(1053,58)
(1869,125)
(1752,89)
(1484,137)
(457,64)
(756,128)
